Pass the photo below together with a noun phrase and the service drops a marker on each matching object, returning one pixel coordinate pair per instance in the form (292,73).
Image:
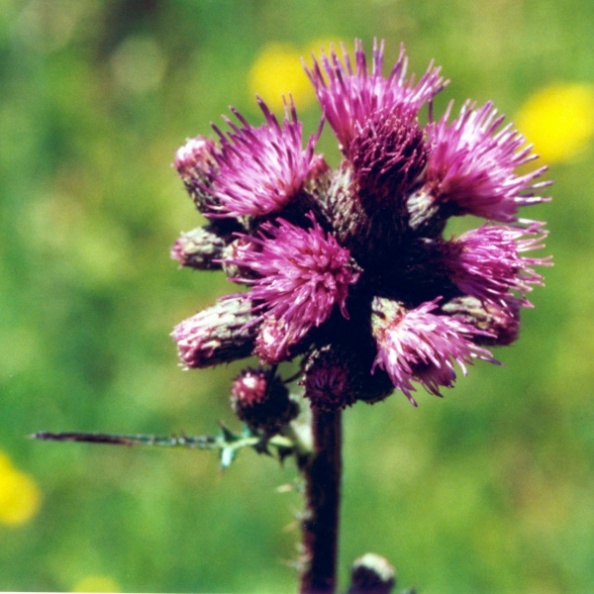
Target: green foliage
(487,491)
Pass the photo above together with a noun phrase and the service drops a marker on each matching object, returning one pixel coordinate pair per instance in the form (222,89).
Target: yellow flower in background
(19,495)
(559,120)
(97,583)
(277,71)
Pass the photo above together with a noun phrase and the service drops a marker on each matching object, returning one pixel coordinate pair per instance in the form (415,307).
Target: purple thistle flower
(418,345)
(260,170)
(350,96)
(486,262)
(302,275)
(348,267)
(388,156)
(471,165)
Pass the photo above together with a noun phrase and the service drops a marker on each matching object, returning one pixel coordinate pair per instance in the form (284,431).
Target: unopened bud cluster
(348,268)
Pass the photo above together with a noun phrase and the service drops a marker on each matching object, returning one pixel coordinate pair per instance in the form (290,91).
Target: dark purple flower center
(389,155)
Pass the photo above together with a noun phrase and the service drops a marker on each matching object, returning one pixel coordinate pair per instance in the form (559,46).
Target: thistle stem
(321,518)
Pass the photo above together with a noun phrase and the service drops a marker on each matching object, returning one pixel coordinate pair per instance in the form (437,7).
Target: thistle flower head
(388,156)
(348,267)
(486,262)
(350,95)
(472,165)
(420,345)
(301,275)
(260,169)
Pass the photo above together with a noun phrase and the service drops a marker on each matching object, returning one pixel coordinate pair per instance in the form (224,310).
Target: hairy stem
(321,518)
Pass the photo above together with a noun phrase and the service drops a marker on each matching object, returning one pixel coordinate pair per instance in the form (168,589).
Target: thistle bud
(218,334)
(372,574)
(501,325)
(261,400)
(200,248)
(194,158)
(336,377)
(195,165)
(234,253)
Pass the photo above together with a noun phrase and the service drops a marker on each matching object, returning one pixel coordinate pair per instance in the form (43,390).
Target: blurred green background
(488,491)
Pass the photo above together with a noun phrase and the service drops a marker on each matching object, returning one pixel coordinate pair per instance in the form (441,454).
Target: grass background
(488,491)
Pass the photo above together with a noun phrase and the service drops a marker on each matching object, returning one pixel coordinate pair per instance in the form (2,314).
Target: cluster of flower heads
(348,268)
